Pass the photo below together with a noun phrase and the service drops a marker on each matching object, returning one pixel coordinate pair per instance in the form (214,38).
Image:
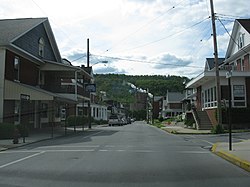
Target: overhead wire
(53,22)
(163,38)
(232,37)
(145,61)
(201,40)
(141,27)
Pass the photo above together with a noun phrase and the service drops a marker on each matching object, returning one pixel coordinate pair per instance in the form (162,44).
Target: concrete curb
(174,131)
(231,158)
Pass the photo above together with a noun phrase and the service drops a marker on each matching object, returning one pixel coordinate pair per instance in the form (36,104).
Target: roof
(157,98)
(175,96)
(88,69)
(211,63)
(11,29)
(245,23)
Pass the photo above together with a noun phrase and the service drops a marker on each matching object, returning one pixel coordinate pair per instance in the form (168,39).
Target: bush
(161,119)
(7,130)
(76,120)
(189,122)
(218,129)
(23,130)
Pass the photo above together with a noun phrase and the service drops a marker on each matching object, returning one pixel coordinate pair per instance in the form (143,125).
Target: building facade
(37,87)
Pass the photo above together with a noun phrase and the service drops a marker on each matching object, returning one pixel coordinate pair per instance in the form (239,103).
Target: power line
(147,62)
(230,16)
(171,35)
(231,37)
(141,27)
(53,22)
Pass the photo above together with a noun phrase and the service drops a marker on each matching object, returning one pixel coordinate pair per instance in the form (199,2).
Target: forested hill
(118,88)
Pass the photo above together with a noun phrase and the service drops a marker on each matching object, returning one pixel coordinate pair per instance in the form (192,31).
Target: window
(209,97)
(241,40)
(242,65)
(41,47)
(17,112)
(16,68)
(44,110)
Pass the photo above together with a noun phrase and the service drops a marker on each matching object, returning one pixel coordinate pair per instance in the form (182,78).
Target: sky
(135,37)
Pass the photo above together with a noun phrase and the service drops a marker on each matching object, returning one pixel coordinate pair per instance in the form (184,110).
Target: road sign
(25,97)
(90,87)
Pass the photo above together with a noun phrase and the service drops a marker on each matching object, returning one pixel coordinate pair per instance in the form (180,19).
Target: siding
(29,43)
(29,72)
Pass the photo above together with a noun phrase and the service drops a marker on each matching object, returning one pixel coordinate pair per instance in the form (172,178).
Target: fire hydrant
(16,136)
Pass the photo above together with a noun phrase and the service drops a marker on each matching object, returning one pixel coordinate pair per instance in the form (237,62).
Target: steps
(204,121)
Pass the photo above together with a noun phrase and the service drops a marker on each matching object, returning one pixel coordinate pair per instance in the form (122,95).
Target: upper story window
(41,45)
(16,68)
(241,40)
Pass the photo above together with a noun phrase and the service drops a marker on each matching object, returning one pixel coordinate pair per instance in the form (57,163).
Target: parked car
(114,120)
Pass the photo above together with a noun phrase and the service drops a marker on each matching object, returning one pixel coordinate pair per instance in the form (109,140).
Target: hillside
(118,88)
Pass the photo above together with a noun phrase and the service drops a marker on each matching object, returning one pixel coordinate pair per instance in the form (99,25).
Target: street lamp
(228,76)
(89,107)
(103,62)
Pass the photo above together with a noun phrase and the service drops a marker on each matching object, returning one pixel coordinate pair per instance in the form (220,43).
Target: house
(237,61)
(172,104)
(37,87)
(157,106)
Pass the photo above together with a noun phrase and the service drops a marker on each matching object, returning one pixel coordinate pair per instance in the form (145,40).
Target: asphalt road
(132,155)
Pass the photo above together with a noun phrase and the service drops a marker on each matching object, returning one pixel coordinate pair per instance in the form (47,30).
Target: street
(131,155)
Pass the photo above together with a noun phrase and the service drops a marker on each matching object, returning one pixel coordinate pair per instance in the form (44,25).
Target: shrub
(161,119)
(23,130)
(189,122)
(7,130)
(76,120)
(218,129)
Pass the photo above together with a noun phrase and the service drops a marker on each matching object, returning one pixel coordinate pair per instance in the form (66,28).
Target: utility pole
(89,108)
(88,52)
(217,76)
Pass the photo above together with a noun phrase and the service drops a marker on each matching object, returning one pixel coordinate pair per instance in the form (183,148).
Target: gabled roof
(175,96)
(245,23)
(11,29)
(210,64)
(157,98)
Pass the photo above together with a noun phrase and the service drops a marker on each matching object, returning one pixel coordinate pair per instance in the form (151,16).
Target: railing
(66,89)
(196,117)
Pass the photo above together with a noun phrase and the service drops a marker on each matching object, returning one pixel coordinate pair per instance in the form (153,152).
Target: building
(236,61)
(37,87)
(172,104)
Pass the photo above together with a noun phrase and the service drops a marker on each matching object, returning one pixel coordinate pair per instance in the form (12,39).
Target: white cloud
(138,29)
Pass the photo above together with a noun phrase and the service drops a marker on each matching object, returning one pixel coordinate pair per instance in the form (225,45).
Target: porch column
(2,69)
(76,85)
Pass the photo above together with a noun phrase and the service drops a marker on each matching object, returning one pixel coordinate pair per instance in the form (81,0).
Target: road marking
(21,151)
(70,150)
(144,151)
(69,146)
(103,150)
(22,159)
(195,152)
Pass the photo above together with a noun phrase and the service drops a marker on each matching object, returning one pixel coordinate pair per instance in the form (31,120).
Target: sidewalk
(40,135)
(240,155)
(179,128)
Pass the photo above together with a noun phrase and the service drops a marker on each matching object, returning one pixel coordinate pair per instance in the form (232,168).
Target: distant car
(114,120)
(124,121)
